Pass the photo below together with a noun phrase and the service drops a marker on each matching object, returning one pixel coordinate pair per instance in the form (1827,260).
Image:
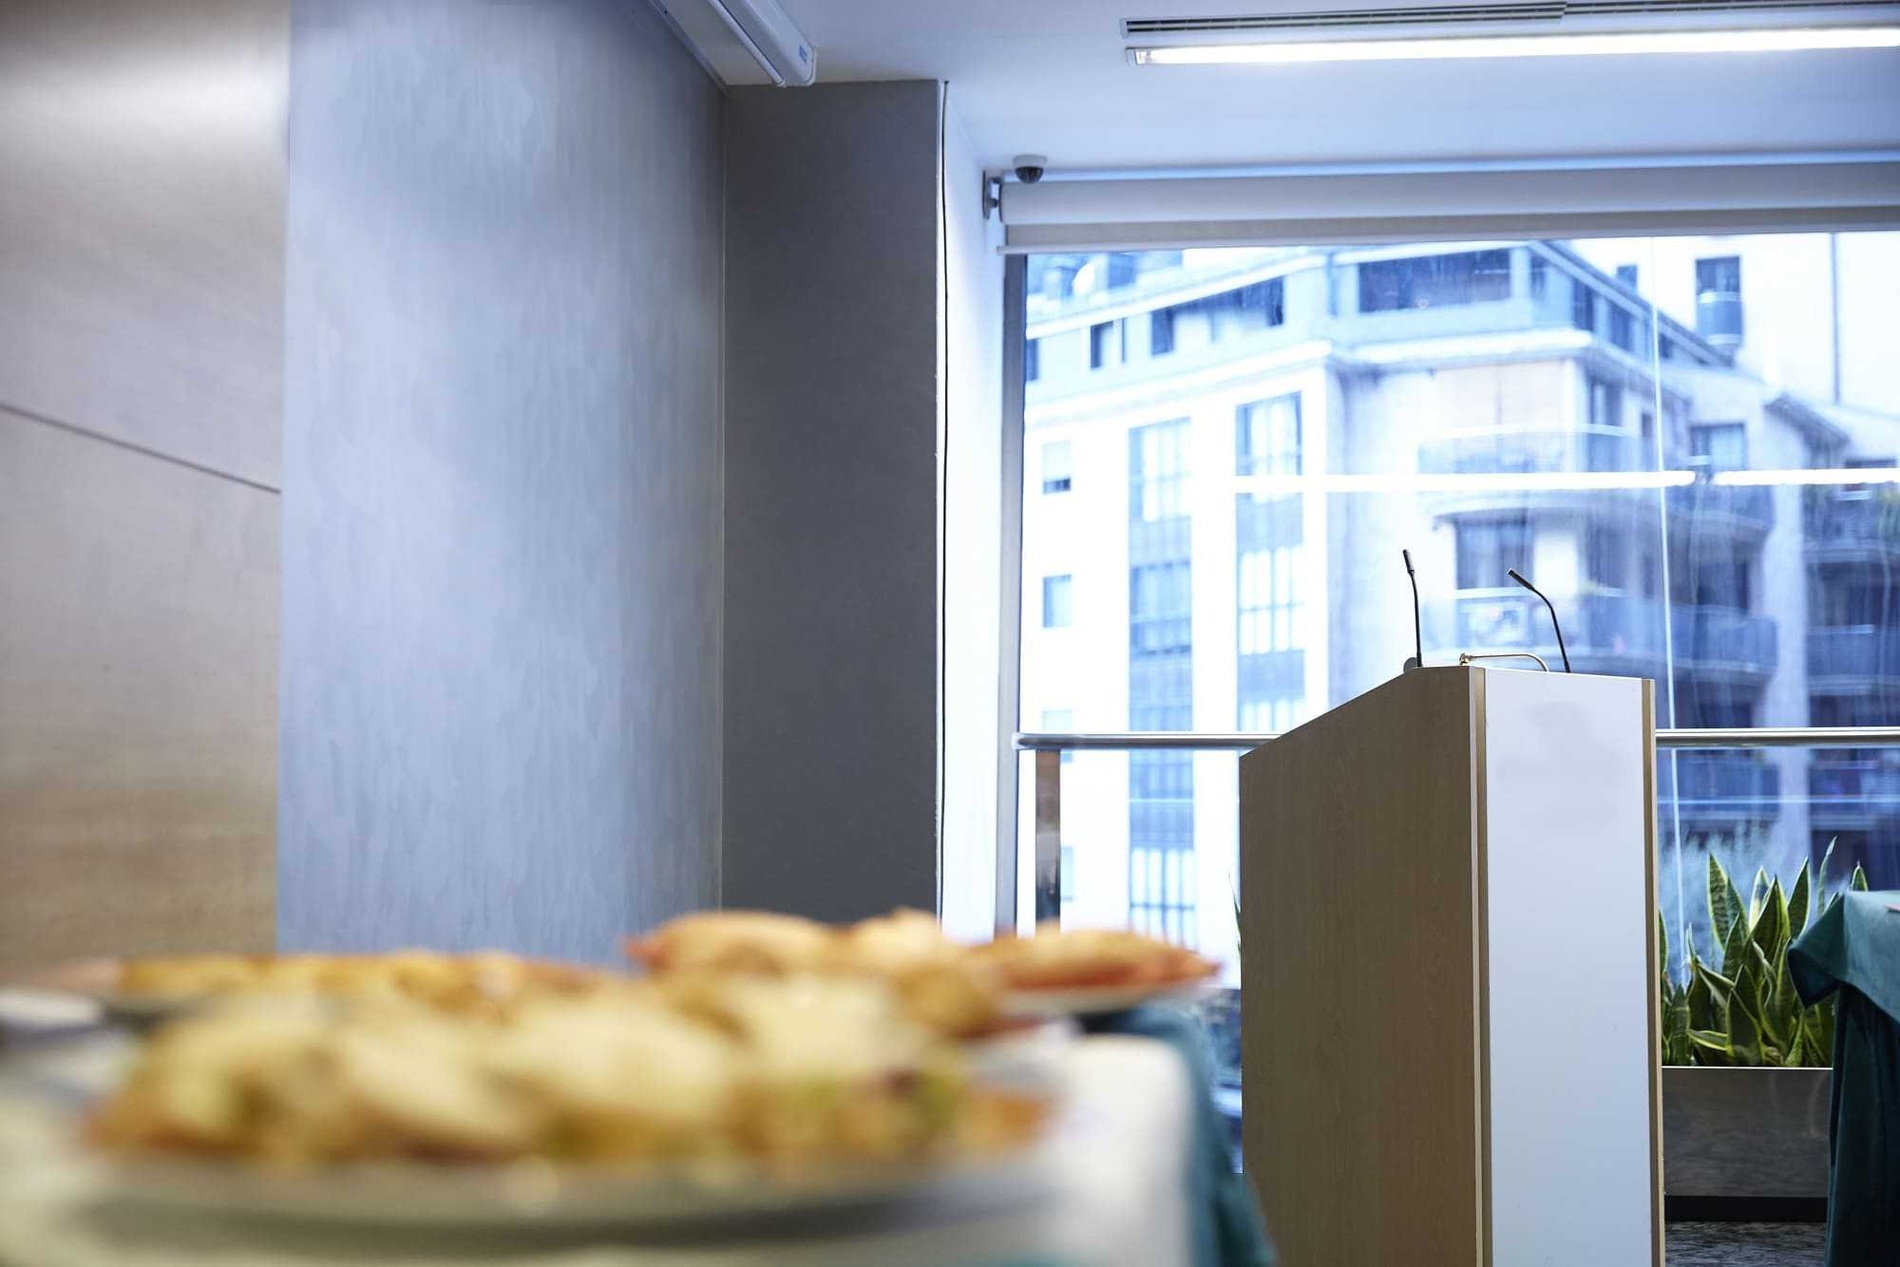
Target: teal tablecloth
(1854,949)
(1227,1228)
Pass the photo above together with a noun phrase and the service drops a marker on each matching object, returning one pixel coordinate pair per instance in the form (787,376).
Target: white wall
(972,453)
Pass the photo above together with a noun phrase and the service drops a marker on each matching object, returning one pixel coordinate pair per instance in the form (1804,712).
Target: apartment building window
(1057,476)
(1032,360)
(1263,302)
(1721,275)
(1161,332)
(1269,600)
(1626,275)
(1609,555)
(1583,306)
(1160,608)
(1060,721)
(1057,611)
(1106,346)
(1540,275)
(1718,299)
(1720,446)
(1488,549)
(1161,874)
(1267,436)
(1606,403)
(1622,328)
(1157,478)
(1434,281)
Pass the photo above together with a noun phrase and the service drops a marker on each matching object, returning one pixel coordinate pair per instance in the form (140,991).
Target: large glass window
(1701,478)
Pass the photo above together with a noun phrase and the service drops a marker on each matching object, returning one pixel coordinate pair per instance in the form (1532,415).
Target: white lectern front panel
(1567,927)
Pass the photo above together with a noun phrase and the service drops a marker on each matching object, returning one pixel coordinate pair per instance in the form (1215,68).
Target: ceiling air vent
(1533,12)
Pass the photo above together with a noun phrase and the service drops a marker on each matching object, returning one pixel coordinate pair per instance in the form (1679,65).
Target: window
(1434,281)
(1502,431)
(1622,328)
(1056,610)
(1718,299)
(1269,597)
(1721,446)
(1160,608)
(1583,307)
(1267,437)
(1161,332)
(1719,276)
(1032,360)
(1606,403)
(1489,549)
(1060,721)
(1105,344)
(1609,549)
(1056,477)
(1626,275)
(1157,459)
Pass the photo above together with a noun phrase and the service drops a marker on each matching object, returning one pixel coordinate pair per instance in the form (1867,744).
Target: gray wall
(501,477)
(141,301)
(832,419)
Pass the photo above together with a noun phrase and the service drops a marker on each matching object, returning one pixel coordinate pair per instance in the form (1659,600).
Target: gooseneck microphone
(1518,576)
(1418,638)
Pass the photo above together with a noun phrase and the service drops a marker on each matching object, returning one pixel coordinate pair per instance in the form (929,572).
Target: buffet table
(1108,1188)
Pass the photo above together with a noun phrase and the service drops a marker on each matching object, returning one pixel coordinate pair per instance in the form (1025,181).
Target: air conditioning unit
(745,41)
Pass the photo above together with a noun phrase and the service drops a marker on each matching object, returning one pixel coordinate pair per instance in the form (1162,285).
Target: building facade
(1225,452)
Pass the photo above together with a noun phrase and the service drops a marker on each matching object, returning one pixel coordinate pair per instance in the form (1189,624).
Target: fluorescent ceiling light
(1468,46)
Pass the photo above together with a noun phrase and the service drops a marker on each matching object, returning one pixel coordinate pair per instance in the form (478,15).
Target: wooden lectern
(1448,959)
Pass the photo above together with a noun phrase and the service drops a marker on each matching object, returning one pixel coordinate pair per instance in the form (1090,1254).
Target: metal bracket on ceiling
(992,193)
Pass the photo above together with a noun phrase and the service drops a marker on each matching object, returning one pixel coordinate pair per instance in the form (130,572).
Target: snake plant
(1746,1011)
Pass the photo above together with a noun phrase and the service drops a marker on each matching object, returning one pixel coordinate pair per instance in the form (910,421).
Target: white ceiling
(1048,76)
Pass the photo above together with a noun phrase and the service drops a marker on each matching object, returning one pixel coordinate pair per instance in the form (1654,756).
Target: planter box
(1745,1132)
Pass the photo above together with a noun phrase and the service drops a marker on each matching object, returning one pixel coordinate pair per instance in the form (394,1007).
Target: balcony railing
(1727,785)
(1851,523)
(1534,450)
(1697,505)
(1709,639)
(1853,654)
(1596,626)
(1853,791)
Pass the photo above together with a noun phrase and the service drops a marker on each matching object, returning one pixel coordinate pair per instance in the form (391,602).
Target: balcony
(1721,642)
(1716,789)
(1604,634)
(1528,451)
(1718,317)
(1535,451)
(1853,790)
(1705,509)
(1852,659)
(1852,526)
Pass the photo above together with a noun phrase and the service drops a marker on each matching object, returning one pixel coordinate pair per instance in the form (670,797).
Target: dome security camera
(1029,167)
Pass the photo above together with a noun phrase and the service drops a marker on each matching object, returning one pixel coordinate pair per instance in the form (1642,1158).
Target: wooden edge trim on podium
(1481,961)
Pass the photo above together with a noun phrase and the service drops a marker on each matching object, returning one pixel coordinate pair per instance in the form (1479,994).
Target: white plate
(533,1195)
(1095,1000)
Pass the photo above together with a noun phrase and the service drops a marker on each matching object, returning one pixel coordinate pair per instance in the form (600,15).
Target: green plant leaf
(1770,932)
(1858,881)
(1798,904)
(1820,872)
(1725,904)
